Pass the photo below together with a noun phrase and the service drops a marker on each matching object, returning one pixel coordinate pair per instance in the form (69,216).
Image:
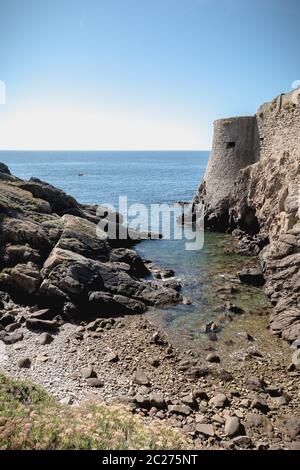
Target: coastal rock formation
(252,183)
(54,254)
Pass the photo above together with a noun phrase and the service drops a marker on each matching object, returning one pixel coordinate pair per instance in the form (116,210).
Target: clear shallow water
(148,178)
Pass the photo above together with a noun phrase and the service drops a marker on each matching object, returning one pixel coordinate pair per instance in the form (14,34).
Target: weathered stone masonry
(252,182)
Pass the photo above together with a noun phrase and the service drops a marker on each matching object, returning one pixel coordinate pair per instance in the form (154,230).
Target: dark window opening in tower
(230,145)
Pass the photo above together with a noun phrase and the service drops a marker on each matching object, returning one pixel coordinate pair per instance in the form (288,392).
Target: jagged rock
(60,255)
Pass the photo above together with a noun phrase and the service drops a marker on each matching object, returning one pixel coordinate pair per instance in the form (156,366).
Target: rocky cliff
(252,183)
(51,257)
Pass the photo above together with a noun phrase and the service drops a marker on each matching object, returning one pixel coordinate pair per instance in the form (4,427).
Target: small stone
(143,390)
(13,327)
(274,391)
(261,405)
(180,410)
(254,383)
(218,419)
(140,378)
(94,382)
(142,401)
(7,319)
(157,400)
(200,395)
(254,420)
(233,427)
(37,324)
(92,326)
(219,401)
(12,338)
(112,357)
(245,403)
(24,363)
(213,358)
(246,336)
(205,429)
(242,442)
(281,401)
(199,418)
(66,401)
(239,414)
(42,358)
(292,428)
(294,445)
(45,338)
(154,362)
(225,376)
(190,401)
(88,372)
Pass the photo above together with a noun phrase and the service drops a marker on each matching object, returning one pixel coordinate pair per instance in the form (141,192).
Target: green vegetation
(31,419)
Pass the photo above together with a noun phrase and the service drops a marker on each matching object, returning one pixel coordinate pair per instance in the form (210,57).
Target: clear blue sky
(139,74)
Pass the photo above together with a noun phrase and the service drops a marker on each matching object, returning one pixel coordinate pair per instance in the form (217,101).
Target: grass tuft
(31,419)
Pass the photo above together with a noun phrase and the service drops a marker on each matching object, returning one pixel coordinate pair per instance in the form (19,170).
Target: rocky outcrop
(260,197)
(54,254)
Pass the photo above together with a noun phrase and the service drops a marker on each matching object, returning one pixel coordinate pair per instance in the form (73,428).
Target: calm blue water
(145,177)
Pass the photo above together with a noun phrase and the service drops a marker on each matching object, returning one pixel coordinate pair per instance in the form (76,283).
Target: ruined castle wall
(278,124)
(232,150)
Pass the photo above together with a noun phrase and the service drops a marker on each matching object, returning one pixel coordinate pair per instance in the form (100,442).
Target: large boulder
(4,169)
(80,236)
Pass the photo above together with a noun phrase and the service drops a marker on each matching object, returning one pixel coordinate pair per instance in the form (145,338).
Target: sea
(149,178)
